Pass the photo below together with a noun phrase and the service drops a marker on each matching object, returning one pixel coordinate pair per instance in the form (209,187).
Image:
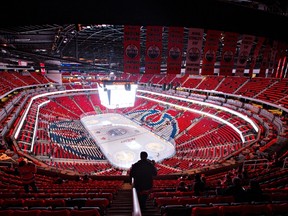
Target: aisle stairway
(151,210)
(122,205)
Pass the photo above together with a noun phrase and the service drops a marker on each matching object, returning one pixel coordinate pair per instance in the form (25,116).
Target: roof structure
(89,36)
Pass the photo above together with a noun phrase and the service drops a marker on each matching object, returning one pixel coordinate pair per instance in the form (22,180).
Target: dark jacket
(143,172)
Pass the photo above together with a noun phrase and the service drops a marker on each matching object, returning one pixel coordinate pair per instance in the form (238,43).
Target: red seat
(7,195)
(57,195)
(86,212)
(236,210)
(225,199)
(278,196)
(6,212)
(54,203)
(205,211)
(97,202)
(33,203)
(62,212)
(207,200)
(278,208)
(162,201)
(261,209)
(41,195)
(12,203)
(28,212)
(187,200)
(109,196)
(159,194)
(77,195)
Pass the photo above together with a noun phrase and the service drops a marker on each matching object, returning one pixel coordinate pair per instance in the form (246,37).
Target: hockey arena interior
(214,104)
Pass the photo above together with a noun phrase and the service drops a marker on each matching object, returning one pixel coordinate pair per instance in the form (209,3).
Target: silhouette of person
(198,185)
(142,172)
(228,181)
(59,180)
(254,191)
(182,186)
(86,179)
(219,188)
(236,190)
(27,172)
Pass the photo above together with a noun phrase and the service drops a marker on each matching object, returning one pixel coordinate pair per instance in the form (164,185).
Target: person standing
(198,185)
(182,187)
(27,172)
(236,190)
(254,192)
(143,172)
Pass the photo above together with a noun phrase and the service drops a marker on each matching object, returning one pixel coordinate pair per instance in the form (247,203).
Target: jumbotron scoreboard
(115,94)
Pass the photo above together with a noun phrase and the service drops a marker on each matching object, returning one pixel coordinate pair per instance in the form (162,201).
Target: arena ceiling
(90,36)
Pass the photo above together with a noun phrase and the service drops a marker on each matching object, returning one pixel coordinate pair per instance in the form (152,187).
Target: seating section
(189,82)
(254,86)
(210,82)
(216,142)
(53,131)
(173,202)
(231,84)
(93,196)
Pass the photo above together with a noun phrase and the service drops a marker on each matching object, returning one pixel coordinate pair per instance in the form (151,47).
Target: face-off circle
(154,147)
(124,156)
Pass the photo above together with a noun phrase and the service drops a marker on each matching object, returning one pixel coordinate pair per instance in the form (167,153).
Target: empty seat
(6,212)
(278,209)
(207,200)
(54,203)
(33,203)
(12,203)
(54,212)
(85,212)
(225,199)
(187,200)
(79,202)
(97,202)
(162,201)
(172,210)
(27,212)
(256,210)
(236,210)
(205,211)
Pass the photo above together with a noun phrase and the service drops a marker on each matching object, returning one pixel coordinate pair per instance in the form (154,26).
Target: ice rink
(121,140)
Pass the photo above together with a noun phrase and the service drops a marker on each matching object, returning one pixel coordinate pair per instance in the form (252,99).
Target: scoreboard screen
(117,94)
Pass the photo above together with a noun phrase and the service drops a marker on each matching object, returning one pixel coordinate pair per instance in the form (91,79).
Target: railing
(136,207)
(257,162)
(285,163)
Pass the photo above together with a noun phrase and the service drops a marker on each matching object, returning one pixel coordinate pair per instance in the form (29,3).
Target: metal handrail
(285,163)
(136,206)
(256,162)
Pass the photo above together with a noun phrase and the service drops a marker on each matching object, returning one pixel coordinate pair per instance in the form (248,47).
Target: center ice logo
(117,132)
